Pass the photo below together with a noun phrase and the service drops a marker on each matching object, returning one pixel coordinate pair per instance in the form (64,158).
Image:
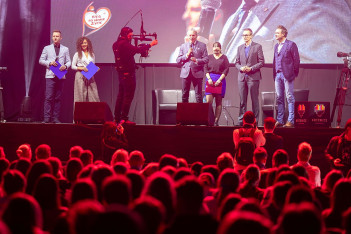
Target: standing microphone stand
(2,113)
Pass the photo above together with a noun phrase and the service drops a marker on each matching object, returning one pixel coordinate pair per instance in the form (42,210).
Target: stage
(194,143)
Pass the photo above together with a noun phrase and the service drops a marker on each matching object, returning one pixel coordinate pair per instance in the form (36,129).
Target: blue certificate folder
(57,72)
(92,69)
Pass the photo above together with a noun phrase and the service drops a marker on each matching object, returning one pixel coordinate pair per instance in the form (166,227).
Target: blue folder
(92,69)
(56,70)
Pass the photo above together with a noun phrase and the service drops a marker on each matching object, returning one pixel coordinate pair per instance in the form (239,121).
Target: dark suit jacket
(200,53)
(255,60)
(273,142)
(290,60)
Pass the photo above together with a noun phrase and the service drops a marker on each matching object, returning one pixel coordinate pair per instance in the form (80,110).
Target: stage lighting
(26,110)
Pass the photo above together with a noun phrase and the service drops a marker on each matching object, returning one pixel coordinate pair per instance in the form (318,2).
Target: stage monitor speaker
(194,114)
(312,114)
(92,112)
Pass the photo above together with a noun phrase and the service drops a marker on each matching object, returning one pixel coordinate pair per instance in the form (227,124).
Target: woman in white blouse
(84,90)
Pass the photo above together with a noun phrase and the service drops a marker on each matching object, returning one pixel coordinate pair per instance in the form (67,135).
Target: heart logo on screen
(95,20)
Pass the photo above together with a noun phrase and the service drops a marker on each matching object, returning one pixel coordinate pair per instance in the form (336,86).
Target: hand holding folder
(92,69)
(213,89)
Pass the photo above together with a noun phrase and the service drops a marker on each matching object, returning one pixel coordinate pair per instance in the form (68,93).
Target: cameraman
(338,150)
(124,53)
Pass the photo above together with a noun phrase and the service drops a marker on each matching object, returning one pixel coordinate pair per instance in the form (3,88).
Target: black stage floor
(194,143)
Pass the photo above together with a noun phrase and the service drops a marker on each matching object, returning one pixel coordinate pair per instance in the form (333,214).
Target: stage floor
(194,143)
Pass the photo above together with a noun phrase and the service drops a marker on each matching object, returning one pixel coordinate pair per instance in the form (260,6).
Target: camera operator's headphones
(125,31)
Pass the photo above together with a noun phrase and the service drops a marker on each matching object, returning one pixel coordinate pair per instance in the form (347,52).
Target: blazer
(255,60)
(290,60)
(200,53)
(48,55)
(317,26)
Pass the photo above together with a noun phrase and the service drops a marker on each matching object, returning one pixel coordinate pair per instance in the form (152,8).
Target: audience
(126,195)
(273,141)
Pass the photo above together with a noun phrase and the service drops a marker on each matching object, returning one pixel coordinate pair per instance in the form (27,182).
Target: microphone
(343,54)
(208,11)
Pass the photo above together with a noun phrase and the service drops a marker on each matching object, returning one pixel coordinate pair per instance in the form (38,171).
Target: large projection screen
(320,28)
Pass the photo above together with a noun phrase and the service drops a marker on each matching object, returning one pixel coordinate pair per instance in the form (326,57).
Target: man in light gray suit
(53,91)
(319,27)
(192,56)
(249,61)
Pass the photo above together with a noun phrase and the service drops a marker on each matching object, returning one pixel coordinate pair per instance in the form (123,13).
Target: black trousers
(127,84)
(186,83)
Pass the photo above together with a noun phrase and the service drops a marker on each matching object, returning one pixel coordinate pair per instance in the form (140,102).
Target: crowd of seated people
(41,194)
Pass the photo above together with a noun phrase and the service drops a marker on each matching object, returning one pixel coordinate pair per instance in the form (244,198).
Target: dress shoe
(127,122)
(56,121)
(277,124)
(46,121)
(288,125)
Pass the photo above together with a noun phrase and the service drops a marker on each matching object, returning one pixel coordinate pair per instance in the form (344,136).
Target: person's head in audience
(213,169)
(208,183)
(300,218)
(280,157)
(2,152)
(46,192)
(249,119)
(150,169)
(182,163)
(98,176)
(252,175)
(74,166)
(75,151)
(300,171)
(120,155)
(56,167)
(83,189)
(251,205)
(228,204)
(228,182)
(116,189)
(137,181)
(161,186)
(330,180)
(87,157)
(170,170)
(189,196)
(13,182)
(136,160)
(304,152)
(245,222)
(347,221)
(260,157)
(196,168)
(37,169)
(86,171)
(24,151)
(167,160)
(269,125)
(42,152)
(83,215)
(340,199)
(280,191)
(22,214)
(299,194)
(225,160)
(348,130)
(152,213)
(182,172)
(288,176)
(120,168)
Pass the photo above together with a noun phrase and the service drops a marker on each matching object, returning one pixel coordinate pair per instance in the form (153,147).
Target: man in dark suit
(286,64)
(273,141)
(249,60)
(192,56)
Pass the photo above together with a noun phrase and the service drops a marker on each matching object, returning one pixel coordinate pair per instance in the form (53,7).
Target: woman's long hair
(79,46)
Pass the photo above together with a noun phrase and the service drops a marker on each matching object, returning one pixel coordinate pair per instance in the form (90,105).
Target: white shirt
(313,172)
(280,45)
(83,61)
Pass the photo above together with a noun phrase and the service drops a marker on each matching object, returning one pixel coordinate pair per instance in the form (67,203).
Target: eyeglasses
(246,35)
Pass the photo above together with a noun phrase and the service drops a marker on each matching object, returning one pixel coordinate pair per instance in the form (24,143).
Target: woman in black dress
(216,71)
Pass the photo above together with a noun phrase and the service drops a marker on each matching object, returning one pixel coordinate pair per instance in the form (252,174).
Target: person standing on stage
(192,56)
(124,53)
(249,61)
(216,70)
(84,90)
(286,64)
(54,86)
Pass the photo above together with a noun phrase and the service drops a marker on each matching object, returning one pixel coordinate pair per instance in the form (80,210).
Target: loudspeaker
(312,114)
(92,112)
(194,114)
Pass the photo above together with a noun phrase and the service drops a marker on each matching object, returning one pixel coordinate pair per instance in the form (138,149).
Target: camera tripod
(340,95)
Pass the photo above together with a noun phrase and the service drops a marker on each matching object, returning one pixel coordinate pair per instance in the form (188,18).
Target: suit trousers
(186,83)
(245,86)
(53,94)
(126,90)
